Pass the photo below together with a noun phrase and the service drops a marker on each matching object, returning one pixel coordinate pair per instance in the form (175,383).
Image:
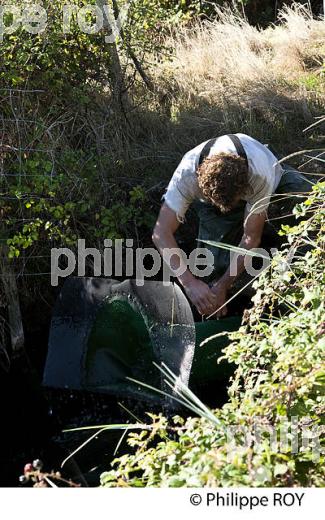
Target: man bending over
(230,181)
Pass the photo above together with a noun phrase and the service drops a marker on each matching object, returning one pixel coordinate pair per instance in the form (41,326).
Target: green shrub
(42,212)
(279,384)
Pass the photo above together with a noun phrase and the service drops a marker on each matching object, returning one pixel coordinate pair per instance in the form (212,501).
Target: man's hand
(253,228)
(220,292)
(201,296)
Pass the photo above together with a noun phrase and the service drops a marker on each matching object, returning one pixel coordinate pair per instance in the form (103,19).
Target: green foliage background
(87,132)
(89,140)
(279,384)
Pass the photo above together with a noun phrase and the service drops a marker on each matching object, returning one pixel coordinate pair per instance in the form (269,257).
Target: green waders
(228,227)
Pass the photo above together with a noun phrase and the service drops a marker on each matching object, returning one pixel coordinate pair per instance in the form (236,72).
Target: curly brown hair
(222,179)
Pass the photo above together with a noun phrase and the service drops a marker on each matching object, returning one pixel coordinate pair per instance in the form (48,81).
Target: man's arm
(251,239)
(163,237)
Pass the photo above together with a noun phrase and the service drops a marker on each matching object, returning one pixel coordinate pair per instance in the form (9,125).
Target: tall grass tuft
(227,75)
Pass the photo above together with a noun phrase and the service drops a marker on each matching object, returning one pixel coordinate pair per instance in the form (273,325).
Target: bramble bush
(59,175)
(278,384)
(39,211)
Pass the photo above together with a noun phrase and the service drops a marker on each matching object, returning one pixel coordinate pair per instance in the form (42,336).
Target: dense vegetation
(91,132)
(278,387)
(82,146)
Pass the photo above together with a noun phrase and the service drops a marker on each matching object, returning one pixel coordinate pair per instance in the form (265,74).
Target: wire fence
(19,275)
(20,138)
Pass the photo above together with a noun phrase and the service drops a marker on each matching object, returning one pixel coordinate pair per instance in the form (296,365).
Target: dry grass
(229,76)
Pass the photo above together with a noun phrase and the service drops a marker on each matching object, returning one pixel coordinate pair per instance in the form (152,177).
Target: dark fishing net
(119,346)
(104,332)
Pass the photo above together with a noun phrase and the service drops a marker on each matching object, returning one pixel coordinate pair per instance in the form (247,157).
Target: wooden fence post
(10,289)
